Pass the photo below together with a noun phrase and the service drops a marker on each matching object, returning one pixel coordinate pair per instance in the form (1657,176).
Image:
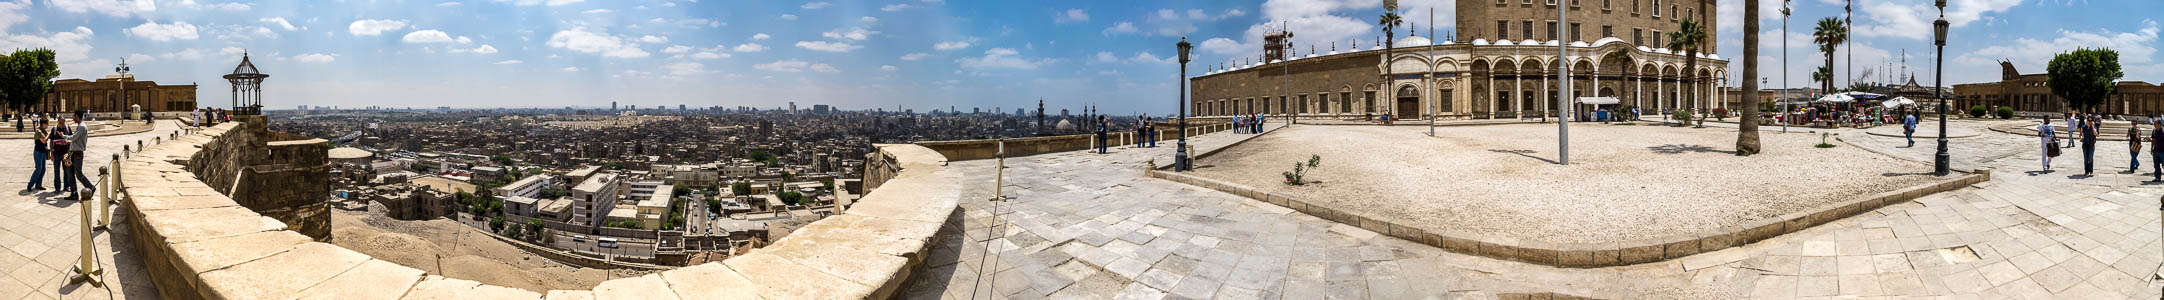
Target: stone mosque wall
(200,243)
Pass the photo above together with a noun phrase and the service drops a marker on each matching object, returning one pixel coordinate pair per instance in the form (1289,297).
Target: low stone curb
(1588,255)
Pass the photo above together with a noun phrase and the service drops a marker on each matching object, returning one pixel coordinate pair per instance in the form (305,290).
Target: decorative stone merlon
(200,243)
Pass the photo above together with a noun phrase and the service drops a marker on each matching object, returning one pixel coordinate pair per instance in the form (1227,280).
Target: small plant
(1683,117)
(1297,176)
(1720,114)
(1822,140)
(1977,111)
(2005,112)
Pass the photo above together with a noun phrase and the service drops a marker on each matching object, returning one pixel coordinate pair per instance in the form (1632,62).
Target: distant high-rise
(612,105)
(792,107)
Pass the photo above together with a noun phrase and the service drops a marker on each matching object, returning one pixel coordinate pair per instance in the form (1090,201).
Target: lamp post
(1940,162)
(123,70)
(1783,116)
(1562,74)
(1180,160)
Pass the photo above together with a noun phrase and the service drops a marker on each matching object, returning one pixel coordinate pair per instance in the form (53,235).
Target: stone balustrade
(964,150)
(198,243)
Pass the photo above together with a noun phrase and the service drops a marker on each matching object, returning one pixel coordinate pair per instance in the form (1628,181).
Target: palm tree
(1747,128)
(1690,38)
(1829,35)
(1824,76)
(1389,21)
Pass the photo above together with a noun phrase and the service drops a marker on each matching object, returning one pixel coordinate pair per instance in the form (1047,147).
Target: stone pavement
(1088,226)
(42,237)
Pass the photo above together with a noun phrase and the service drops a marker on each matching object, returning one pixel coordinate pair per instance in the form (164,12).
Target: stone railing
(964,150)
(198,243)
(1587,255)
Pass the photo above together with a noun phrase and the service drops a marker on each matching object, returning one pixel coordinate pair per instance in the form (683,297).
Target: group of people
(1250,123)
(1147,132)
(61,143)
(209,117)
(2084,129)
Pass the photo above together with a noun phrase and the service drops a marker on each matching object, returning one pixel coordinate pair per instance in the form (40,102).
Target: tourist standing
(2051,142)
(1258,123)
(2088,146)
(1908,128)
(2073,121)
(59,152)
(1101,141)
(79,139)
(1141,131)
(37,156)
(1150,130)
(2156,149)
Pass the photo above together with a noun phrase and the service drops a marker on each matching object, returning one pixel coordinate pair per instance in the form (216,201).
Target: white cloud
(484,49)
(709,55)
(916,56)
(578,39)
(750,47)
(2030,55)
(1002,58)
(116,8)
(11,13)
(681,69)
(598,11)
(189,54)
(1166,13)
(228,6)
(826,46)
(868,19)
(570,69)
(895,7)
(1107,57)
(944,46)
(1146,57)
(1071,15)
(139,57)
(163,32)
(1121,27)
(70,48)
(232,51)
(653,39)
(427,36)
(463,40)
(888,68)
(281,21)
(760,36)
(374,27)
(1223,46)
(510,62)
(1197,14)
(1235,12)
(314,58)
(854,33)
(240,32)
(783,66)
(824,68)
(447,4)
(816,5)
(677,49)
(788,17)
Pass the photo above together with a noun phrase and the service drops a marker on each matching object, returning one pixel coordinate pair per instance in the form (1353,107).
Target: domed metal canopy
(247,87)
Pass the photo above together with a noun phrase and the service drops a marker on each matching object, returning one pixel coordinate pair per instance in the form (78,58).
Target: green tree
(25,76)
(792,197)
(496,223)
(1747,127)
(1829,35)
(1690,38)
(740,188)
(1824,76)
(500,159)
(2084,77)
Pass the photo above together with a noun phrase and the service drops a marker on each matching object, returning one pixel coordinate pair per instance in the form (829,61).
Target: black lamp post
(1940,162)
(1180,160)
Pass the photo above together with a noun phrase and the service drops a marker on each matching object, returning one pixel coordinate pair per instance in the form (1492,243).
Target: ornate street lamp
(1180,160)
(1940,162)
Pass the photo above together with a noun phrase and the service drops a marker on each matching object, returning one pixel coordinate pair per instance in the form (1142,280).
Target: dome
(1550,43)
(1605,41)
(1412,42)
(349,153)
(1064,125)
(1644,49)
(1528,42)
(1480,42)
(1503,43)
(1713,56)
(1579,44)
(1448,42)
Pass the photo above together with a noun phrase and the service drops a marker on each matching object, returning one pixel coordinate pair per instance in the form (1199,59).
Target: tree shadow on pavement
(1679,149)
(1526,154)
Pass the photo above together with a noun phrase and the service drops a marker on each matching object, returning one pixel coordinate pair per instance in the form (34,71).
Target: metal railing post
(86,269)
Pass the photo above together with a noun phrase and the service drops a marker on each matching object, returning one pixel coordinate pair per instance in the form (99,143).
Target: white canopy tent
(1897,102)
(1599,100)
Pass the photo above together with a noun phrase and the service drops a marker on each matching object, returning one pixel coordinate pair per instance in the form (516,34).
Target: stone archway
(1408,102)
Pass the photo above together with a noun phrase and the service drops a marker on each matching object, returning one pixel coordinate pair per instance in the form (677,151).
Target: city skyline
(912,54)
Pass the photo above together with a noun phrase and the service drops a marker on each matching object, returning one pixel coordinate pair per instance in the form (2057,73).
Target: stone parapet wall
(280,175)
(198,243)
(965,150)
(1587,255)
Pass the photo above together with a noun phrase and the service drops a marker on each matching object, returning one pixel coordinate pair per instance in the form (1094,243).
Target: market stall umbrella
(1835,98)
(1898,101)
(1863,96)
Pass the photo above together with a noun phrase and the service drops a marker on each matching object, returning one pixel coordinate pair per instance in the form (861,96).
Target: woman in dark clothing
(57,137)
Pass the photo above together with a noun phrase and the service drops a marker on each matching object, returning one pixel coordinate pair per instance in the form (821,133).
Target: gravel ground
(1625,182)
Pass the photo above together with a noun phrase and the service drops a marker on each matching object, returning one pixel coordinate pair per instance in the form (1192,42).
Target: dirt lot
(1624,182)
(464,253)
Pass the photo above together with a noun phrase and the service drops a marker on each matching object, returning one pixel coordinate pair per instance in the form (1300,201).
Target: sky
(897,54)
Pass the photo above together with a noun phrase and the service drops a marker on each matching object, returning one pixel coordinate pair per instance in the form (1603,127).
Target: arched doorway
(1408,102)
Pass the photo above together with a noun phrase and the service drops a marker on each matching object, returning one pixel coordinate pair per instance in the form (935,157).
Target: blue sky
(917,54)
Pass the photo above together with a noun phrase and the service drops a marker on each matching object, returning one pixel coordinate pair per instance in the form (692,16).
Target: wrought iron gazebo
(247,87)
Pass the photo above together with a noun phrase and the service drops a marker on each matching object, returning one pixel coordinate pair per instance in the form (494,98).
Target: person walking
(2133,141)
(1908,128)
(2051,142)
(196,117)
(2073,122)
(2088,146)
(37,157)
